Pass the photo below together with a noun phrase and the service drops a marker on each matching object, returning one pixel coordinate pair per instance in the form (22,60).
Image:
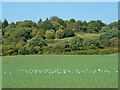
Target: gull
(94,71)
(35,71)
(98,69)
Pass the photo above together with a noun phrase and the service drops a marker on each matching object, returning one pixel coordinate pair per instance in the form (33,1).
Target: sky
(20,11)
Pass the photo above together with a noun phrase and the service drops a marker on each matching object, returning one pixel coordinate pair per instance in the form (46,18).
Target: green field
(60,71)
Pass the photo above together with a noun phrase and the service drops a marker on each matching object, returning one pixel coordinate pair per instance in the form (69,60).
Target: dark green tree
(62,22)
(76,43)
(5,24)
(95,26)
(39,21)
(22,50)
(46,25)
(68,32)
(35,42)
(78,26)
(72,20)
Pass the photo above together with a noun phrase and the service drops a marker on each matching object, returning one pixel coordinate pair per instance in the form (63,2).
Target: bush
(109,35)
(68,32)
(76,43)
(60,33)
(35,44)
(49,34)
(22,50)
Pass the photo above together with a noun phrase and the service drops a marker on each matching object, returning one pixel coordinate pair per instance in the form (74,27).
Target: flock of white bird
(63,71)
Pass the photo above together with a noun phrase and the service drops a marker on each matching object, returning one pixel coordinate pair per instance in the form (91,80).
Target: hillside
(58,36)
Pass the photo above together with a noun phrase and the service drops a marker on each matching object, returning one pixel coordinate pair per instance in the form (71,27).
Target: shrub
(76,43)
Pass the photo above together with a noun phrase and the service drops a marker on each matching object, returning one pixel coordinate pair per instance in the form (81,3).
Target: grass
(86,36)
(60,71)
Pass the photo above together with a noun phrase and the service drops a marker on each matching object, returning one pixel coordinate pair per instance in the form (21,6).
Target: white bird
(105,70)
(98,69)
(108,71)
(64,72)
(94,71)
(35,71)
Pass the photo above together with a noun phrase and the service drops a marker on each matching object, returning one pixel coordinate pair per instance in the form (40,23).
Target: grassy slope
(82,35)
(14,78)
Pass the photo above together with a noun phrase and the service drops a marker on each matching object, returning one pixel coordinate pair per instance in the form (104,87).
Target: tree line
(28,37)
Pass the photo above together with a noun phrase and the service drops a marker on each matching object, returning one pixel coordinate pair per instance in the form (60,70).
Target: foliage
(35,45)
(0,24)
(78,26)
(109,35)
(49,34)
(56,26)
(46,25)
(40,33)
(68,32)
(60,33)
(22,50)
(95,26)
(36,42)
(5,24)
(54,18)
(27,23)
(73,37)
(39,21)
(105,29)
(76,43)
(72,20)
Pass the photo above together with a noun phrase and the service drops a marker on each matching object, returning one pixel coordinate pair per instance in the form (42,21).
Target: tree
(62,22)
(78,26)
(109,35)
(0,24)
(68,32)
(113,25)
(39,21)
(5,24)
(54,18)
(56,26)
(10,26)
(23,33)
(72,20)
(27,23)
(76,43)
(105,29)
(22,50)
(46,25)
(35,42)
(40,33)
(66,46)
(94,45)
(118,24)
(49,34)
(95,26)
(60,33)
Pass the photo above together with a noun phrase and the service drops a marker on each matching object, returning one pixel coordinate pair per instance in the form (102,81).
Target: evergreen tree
(5,24)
